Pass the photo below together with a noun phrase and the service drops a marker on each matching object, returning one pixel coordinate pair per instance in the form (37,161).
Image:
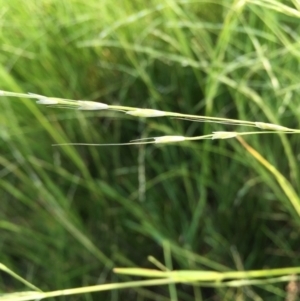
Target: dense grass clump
(218,217)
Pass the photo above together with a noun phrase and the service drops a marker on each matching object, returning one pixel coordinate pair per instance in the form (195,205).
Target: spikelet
(271,126)
(47,101)
(146,113)
(91,105)
(223,135)
(167,139)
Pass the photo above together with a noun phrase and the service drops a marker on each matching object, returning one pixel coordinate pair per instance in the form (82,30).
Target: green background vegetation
(68,215)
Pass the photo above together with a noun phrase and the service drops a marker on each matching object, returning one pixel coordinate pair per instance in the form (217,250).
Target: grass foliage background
(70,214)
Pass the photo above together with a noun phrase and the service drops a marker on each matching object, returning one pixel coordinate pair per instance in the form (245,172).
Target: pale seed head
(223,135)
(47,101)
(166,139)
(270,126)
(146,113)
(91,105)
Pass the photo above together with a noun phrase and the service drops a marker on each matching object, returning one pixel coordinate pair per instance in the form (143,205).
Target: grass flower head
(91,105)
(146,113)
(47,101)
(223,135)
(167,139)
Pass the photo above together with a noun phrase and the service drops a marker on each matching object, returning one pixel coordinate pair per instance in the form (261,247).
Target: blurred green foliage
(70,214)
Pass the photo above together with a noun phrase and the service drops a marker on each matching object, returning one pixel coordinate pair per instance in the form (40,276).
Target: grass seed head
(271,126)
(167,139)
(47,101)
(223,135)
(91,105)
(146,113)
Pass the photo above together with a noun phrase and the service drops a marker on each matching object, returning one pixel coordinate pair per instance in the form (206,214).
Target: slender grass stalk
(146,113)
(166,277)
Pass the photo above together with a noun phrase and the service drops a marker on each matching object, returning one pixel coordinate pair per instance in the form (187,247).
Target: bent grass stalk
(282,181)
